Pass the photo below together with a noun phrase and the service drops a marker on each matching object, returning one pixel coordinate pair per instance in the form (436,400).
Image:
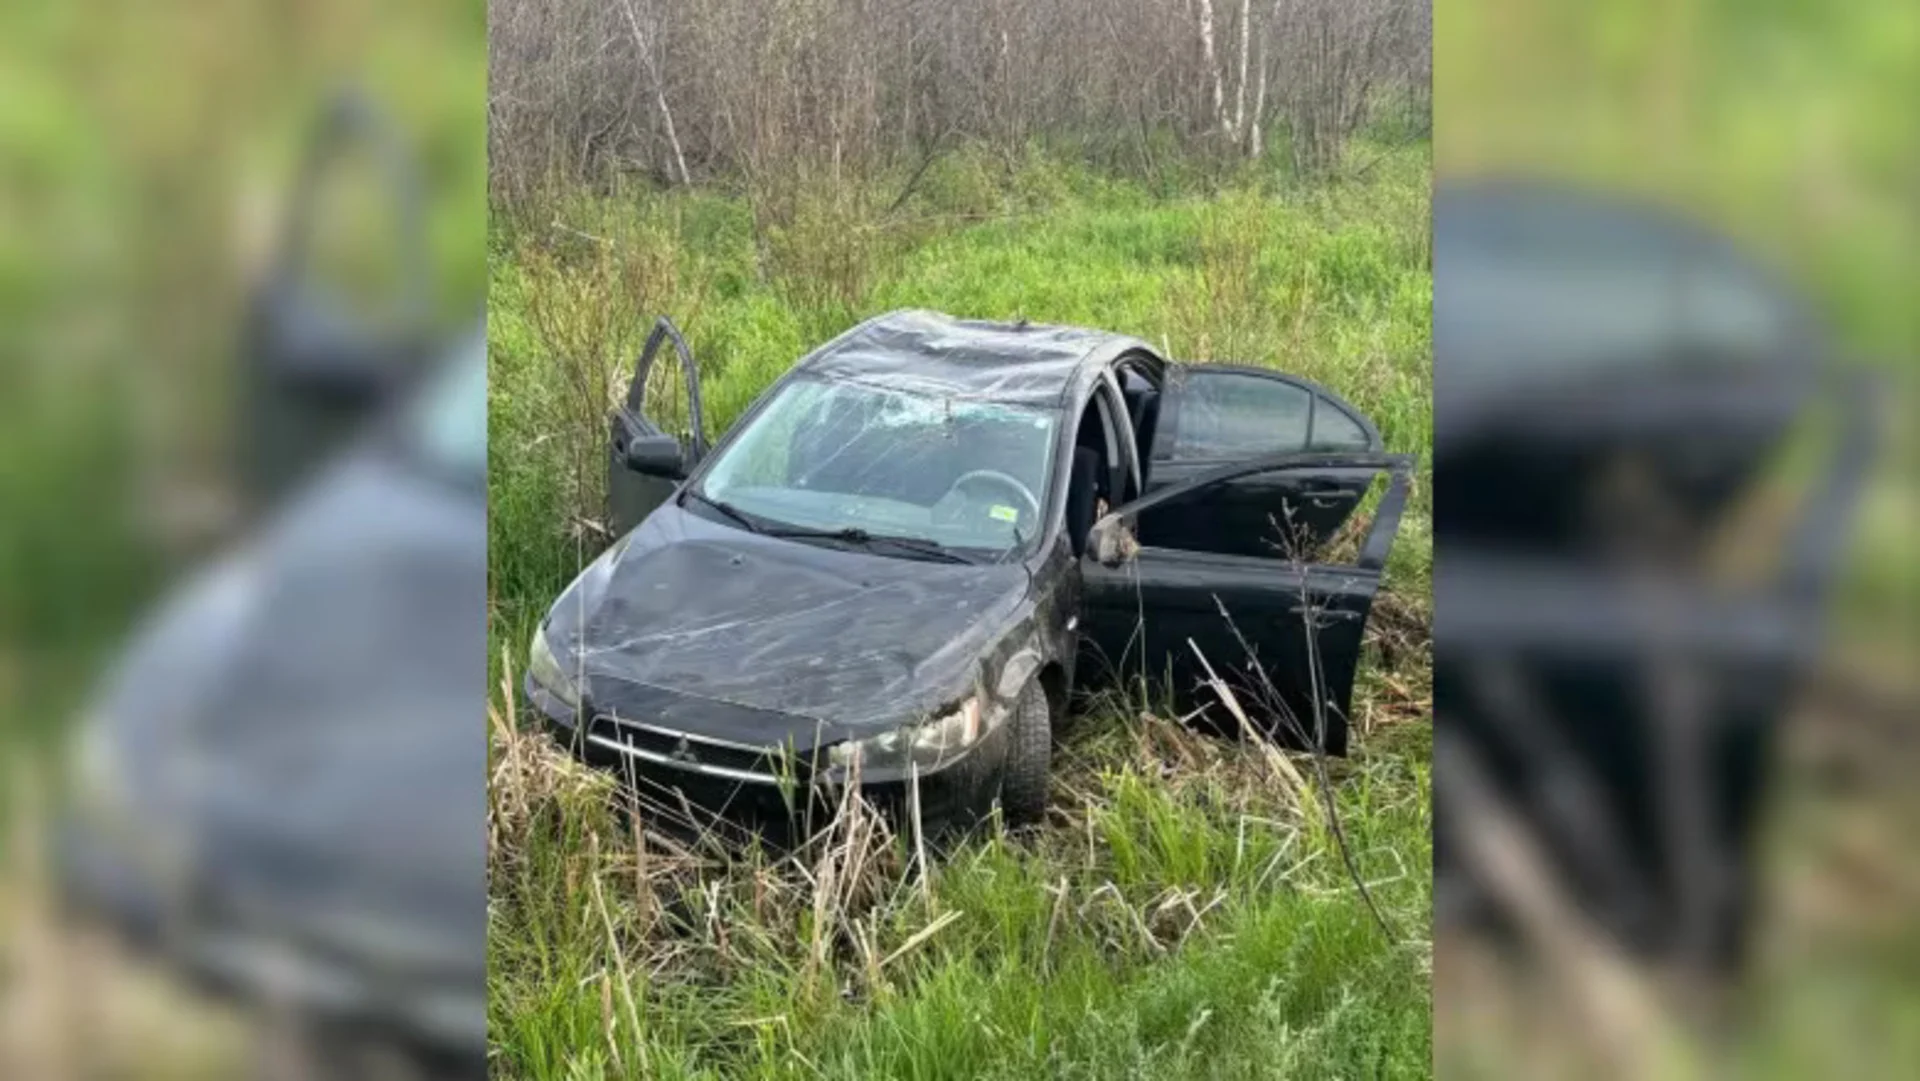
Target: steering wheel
(1004,482)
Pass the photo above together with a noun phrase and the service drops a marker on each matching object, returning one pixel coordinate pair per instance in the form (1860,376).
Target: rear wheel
(1023,785)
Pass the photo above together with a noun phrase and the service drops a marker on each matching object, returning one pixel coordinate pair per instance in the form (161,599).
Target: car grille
(700,754)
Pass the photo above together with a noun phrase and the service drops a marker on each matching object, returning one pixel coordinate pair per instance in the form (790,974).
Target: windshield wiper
(929,548)
(856,535)
(727,509)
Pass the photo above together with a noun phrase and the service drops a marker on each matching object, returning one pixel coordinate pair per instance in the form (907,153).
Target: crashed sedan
(909,553)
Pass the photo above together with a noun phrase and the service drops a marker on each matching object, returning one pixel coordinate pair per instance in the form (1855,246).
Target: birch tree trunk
(1240,93)
(659,91)
(1256,132)
(1212,64)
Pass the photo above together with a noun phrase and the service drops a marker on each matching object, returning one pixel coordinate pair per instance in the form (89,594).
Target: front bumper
(728,787)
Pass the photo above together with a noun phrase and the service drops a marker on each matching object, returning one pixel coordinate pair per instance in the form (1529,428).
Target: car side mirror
(1112,542)
(314,354)
(657,456)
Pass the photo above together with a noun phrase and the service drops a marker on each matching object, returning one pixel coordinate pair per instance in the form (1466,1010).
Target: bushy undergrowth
(1186,912)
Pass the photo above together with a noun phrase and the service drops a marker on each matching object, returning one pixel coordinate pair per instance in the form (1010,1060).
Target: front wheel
(1023,785)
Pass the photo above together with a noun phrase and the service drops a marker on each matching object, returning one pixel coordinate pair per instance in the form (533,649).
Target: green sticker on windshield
(1004,513)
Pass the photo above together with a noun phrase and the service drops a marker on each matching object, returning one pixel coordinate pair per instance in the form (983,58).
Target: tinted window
(1334,430)
(1226,415)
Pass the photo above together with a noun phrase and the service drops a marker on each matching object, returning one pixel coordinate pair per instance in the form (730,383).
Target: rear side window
(1228,415)
(1240,415)
(1334,430)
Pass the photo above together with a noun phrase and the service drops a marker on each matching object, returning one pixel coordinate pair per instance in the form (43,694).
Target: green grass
(1187,913)
(1186,918)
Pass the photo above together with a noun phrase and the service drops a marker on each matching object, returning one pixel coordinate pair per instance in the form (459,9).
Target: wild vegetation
(767,93)
(1186,912)
(135,224)
(1240,182)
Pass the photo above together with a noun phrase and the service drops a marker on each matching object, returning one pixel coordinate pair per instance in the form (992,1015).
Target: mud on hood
(800,636)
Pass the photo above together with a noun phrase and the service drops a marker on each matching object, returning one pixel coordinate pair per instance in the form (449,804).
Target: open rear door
(1284,635)
(1214,415)
(657,436)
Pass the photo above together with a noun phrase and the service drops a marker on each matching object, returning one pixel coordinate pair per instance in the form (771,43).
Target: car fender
(1018,669)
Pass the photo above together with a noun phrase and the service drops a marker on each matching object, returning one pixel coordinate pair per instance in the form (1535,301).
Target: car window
(834,454)
(1335,430)
(1229,415)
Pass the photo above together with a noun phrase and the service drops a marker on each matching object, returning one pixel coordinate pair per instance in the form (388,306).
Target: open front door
(320,358)
(1284,635)
(657,436)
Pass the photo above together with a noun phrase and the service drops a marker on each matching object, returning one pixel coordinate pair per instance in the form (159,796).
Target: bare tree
(1212,66)
(1334,57)
(1240,90)
(1255,131)
(645,50)
(766,91)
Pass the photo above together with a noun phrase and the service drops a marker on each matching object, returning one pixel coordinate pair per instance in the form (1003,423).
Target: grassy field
(1186,912)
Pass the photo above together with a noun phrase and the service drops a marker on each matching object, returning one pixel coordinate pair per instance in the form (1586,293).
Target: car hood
(782,631)
(344,786)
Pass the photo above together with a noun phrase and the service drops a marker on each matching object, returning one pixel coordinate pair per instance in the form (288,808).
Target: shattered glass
(837,455)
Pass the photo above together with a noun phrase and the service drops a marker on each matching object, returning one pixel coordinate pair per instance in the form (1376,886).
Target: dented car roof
(925,352)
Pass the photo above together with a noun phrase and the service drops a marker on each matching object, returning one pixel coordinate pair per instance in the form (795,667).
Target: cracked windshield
(966,475)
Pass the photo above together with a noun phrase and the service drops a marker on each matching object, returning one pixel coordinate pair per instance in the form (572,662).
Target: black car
(916,544)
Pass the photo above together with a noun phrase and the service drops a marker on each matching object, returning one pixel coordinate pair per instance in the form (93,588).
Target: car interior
(1086,482)
(1098,473)
(1094,476)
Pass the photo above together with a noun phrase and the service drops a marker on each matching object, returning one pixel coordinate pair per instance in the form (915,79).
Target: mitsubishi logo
(680,753)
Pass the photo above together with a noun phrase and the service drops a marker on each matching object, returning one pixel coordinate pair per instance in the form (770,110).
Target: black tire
(1023,785)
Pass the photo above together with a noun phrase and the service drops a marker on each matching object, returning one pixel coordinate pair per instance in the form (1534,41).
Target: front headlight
(545,670)
(928,746)
(137,838)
